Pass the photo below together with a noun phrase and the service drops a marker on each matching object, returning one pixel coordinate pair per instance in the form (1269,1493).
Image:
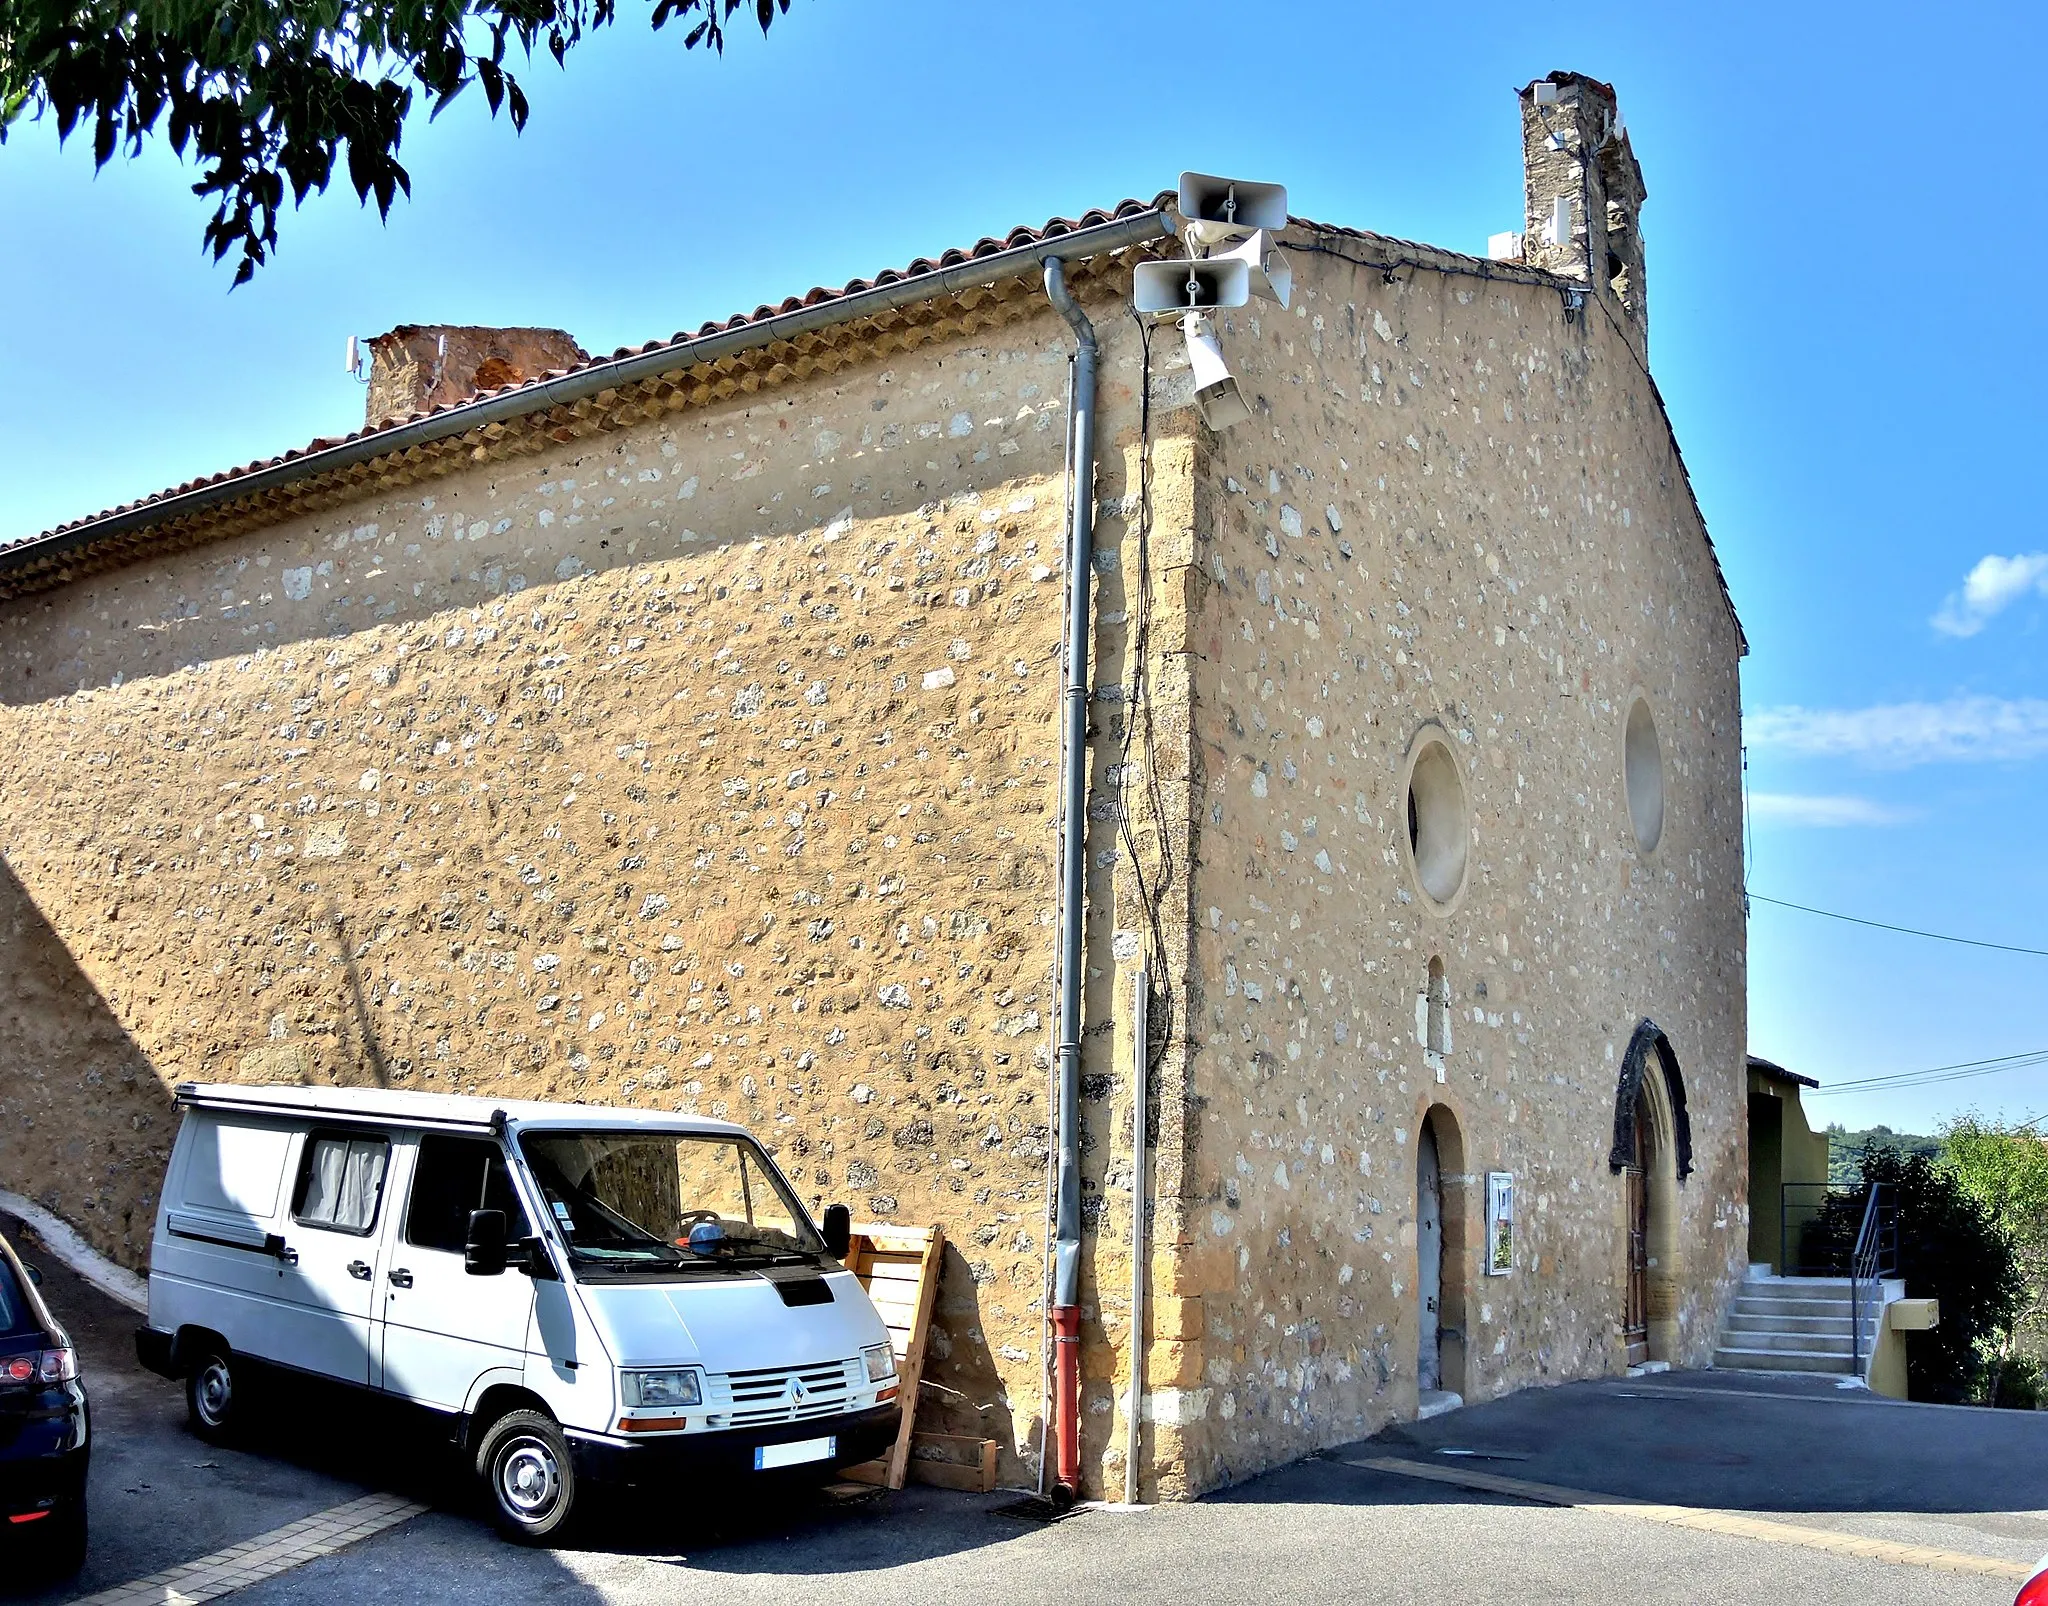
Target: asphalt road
(1975,1482)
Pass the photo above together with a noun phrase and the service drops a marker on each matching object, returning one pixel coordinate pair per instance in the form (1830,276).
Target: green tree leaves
(2005,1169)
(1950,1249)
(261,94)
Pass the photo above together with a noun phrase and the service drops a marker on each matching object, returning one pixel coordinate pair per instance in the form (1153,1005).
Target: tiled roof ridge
(818,295)
(26,551)
(1506,272)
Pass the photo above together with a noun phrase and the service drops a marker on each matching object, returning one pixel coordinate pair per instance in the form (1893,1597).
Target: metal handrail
(1796,1210)
(1876,1255)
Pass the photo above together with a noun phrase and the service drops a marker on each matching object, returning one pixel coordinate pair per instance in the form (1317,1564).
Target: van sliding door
(330,1255)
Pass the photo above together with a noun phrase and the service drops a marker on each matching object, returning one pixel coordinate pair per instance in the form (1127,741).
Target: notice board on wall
(1500,1223)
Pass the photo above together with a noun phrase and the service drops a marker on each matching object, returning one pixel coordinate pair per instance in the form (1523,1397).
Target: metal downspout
(1066,1301)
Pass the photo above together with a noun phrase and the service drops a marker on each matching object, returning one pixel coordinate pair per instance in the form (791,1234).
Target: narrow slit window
(1437,1029)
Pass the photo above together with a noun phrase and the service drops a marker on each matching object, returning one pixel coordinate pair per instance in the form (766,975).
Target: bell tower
(1584,195)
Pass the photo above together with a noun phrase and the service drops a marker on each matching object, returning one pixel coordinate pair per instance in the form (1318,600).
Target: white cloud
(1961,730)
(1787,808)
(1989,589)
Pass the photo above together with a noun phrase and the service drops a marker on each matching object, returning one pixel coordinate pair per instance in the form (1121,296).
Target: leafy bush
(1950,1249)
(2006,1170)
(2017,1384)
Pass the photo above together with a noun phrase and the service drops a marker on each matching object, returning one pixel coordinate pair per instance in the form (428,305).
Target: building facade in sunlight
(681,729)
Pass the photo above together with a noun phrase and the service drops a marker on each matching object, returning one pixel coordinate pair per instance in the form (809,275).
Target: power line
(1940,1073)
(1933,936)
(1960,1065)
(1962,1071)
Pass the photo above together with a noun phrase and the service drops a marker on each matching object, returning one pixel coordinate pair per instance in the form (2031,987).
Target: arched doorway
(1652,1154)
(1635,1181)
(1429,1259)
(1440,1189)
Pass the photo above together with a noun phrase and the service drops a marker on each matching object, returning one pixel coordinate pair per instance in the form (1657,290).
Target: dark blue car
(44,1431)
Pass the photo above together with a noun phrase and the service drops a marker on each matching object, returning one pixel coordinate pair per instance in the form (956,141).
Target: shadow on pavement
(161,1497)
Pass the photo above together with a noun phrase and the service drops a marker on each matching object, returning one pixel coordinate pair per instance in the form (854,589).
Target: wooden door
(1429,1251)
(1635,1325)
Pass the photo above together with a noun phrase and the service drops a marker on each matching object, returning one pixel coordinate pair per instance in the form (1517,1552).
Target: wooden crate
(950,1461)
(899,1267)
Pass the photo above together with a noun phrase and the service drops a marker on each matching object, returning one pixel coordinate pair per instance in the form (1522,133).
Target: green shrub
(1950,1250)
(2017,1384)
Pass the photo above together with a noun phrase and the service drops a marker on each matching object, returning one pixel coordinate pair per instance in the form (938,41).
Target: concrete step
(1796,1338)
(1823,1284)
(1794,1343)
(1800,1307)
(1802,1288)
(1772,1322)
(1729,1358)
(1778,1316)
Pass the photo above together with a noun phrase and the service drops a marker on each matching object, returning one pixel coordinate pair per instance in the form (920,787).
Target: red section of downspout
(1066,1395)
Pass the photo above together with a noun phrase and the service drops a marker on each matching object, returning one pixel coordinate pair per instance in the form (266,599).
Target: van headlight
(660,1390)
(881,1362)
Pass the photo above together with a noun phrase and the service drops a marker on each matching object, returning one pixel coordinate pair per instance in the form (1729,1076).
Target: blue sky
(1844,216)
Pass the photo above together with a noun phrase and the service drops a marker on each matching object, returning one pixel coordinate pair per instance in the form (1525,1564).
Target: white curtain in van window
(344,1180)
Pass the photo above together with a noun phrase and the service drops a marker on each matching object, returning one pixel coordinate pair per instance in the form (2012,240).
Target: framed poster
(1500,1223)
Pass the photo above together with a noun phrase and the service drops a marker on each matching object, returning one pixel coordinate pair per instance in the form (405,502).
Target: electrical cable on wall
(1139,702)
(1570,295)
(1748,832)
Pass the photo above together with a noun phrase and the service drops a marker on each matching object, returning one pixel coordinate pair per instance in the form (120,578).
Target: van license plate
(793,1455)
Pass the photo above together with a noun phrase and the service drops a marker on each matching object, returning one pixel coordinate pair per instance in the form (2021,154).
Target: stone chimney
(418,367)
(1585,195)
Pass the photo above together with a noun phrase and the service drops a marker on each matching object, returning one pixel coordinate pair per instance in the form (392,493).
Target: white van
(584,1294)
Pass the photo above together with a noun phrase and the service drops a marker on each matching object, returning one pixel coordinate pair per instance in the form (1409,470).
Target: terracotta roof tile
(818,295)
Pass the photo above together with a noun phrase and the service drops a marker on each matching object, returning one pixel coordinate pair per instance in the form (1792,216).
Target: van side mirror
(838,1231)
(483,1253)
(35,1272)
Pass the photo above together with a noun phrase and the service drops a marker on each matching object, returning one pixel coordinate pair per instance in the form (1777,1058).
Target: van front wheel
(524,1461)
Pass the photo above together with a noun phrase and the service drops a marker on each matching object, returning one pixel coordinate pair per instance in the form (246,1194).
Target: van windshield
(676,1202)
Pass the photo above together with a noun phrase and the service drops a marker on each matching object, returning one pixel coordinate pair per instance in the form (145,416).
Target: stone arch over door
(1440,1125)
(1652,1131)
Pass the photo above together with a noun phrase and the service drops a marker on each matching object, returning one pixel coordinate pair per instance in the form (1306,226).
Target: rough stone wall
(711,765)
(1456,509)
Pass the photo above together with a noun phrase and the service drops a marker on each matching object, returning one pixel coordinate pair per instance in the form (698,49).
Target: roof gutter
(1016,262)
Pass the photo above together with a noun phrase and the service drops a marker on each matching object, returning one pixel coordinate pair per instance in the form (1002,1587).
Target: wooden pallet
(949,1461)
(899,1267)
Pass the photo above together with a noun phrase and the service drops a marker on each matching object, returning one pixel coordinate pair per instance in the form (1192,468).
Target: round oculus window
(1439,829)
(1642,763)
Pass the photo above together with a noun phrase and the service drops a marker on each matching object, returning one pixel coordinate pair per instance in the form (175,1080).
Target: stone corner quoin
(710,762)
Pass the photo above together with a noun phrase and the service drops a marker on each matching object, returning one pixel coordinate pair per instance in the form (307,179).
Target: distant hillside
(1845,1149)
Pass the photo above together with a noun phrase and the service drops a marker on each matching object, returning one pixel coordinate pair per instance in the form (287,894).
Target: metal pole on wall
(1140,1050)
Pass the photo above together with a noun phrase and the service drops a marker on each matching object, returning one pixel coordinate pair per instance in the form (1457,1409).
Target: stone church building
(681,729)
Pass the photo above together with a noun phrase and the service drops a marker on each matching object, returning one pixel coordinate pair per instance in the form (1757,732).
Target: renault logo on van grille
(789,1393)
